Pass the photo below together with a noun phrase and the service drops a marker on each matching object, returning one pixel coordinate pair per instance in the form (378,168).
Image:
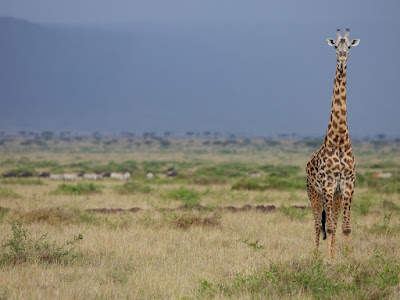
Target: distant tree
(189,133)
(127,134)
(207,133)
(22,132)
(150,135)
(47,135)
(165,143)
(167,133)
(381,136)
(283,135)
(96,135)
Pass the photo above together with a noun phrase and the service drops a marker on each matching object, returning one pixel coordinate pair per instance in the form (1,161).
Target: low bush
(189,197)
(22,248)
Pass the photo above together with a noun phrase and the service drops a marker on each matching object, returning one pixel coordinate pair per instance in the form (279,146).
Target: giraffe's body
(331,169)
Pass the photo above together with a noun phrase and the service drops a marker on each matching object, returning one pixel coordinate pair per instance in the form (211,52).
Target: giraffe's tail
(323,221)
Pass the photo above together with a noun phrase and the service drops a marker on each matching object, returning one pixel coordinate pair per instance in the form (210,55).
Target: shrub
(22,248)
(189,197)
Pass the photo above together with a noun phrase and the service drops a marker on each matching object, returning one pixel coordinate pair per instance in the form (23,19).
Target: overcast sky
(340,13)
(374,78)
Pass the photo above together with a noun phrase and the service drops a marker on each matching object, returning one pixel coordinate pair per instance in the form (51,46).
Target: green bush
(189,197)
(84,188)
(22,248)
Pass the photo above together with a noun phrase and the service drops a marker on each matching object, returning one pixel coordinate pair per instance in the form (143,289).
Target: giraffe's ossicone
(331,169)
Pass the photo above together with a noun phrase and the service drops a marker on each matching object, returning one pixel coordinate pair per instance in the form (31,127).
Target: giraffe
(331,169)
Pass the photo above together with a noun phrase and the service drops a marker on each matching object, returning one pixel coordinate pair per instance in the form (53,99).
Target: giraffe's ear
(355,42)
(331,42)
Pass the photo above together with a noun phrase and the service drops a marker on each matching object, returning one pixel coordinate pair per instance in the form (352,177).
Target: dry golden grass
(160,252)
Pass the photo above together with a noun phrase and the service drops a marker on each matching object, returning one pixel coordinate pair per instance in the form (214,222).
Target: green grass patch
(83,188)
(362,203)
(249,184)
(293,213)
(133,187)
(8,193)
(22,181)
(386,227)
(375,278)
(379,185)
(281,170)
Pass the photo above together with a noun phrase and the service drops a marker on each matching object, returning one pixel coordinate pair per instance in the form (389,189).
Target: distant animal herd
(71,176)
(80,176)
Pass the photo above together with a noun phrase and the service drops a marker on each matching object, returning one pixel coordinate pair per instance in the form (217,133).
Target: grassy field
(235,223)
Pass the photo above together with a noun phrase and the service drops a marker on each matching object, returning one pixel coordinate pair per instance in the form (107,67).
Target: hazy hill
(254,79)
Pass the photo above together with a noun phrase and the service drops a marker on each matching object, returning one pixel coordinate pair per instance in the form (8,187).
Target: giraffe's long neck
(337,134)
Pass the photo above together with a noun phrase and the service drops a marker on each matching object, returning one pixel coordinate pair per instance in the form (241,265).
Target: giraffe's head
(342,45)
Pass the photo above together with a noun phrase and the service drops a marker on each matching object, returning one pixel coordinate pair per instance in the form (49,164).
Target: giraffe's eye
(335,47)
(349,47)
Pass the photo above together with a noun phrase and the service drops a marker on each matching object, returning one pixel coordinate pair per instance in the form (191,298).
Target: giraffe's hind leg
(336,208)
(316,205)
(346,227)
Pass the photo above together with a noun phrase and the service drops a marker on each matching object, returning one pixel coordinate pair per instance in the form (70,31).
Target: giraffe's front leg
(316,205)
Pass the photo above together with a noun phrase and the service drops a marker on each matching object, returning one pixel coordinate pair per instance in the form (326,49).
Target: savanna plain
(232,221)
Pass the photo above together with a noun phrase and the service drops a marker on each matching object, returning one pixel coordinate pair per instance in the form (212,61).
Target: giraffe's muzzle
(343,58)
